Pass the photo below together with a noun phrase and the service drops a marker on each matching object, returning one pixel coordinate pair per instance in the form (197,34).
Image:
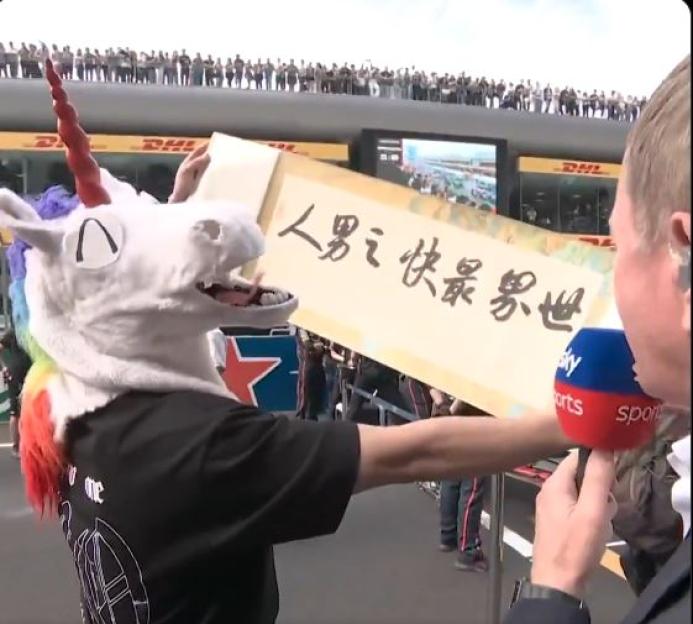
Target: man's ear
(24,223)
(680,246)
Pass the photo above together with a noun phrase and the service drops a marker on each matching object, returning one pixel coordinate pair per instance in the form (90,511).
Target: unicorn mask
(116,292)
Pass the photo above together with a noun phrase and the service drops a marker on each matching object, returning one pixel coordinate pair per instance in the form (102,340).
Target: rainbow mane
(41,458)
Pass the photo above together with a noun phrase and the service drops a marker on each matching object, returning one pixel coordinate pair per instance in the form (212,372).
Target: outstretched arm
(454,447)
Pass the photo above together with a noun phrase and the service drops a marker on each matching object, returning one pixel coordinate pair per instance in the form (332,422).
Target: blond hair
(658,159)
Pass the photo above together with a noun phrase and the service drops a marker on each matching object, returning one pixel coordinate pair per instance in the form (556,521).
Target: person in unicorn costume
(171,494)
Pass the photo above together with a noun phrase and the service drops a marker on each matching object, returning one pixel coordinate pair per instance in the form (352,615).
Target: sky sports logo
(627,414)
(569,362)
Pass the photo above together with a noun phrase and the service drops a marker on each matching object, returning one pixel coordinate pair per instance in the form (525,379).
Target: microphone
(599,403)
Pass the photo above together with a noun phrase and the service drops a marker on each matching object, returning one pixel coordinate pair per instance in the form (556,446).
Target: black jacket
(666,600)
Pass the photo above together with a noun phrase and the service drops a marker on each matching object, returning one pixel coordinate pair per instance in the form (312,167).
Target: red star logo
(242,373)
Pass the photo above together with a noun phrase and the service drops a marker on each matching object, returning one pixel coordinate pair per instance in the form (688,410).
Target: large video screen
(459,171)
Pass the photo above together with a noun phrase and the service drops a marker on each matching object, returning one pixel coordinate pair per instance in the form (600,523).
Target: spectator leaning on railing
(129,66)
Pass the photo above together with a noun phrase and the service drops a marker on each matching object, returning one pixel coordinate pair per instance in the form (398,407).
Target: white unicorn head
(122,290)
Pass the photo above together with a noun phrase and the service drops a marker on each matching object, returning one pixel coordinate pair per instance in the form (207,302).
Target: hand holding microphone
(599,406)
(573,525)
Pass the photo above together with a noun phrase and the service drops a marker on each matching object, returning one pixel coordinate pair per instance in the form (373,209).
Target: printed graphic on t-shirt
(110,577)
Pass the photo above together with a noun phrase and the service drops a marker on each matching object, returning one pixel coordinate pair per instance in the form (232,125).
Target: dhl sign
(126,144)
(598,241)
(531,164)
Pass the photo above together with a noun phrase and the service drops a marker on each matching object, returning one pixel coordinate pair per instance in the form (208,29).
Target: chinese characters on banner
(421,263)
(427,297)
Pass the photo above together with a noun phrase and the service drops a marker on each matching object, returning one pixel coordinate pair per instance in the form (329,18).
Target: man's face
(654,308)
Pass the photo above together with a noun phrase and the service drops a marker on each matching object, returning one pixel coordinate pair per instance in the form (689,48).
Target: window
(578,205)
(12,173)
(153,174)
(574,204)
(539,200)
(606,195)
(48,169)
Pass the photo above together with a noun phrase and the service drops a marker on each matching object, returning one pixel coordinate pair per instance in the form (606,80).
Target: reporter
(651,227)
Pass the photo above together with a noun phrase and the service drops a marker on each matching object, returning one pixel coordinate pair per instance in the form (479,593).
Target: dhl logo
(581,168)
(285,147)
(50,141)
(599,241)
(156,144)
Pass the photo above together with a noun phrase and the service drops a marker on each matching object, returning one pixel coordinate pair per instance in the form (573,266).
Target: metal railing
(495,553)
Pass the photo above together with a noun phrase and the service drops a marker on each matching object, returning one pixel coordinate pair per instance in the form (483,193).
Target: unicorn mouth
(242,294)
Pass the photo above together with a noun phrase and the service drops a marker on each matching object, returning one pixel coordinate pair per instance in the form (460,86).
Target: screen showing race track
(461,172)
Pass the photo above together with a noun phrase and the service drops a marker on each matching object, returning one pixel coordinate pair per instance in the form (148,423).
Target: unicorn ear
(23,221)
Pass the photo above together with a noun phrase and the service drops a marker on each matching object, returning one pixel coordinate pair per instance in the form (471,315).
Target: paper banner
(477,305)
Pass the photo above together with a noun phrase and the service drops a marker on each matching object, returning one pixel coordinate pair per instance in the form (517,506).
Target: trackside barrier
(495,550)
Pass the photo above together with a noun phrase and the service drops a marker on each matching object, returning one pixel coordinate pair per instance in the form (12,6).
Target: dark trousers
(314,389)
(461,504)
(331,382)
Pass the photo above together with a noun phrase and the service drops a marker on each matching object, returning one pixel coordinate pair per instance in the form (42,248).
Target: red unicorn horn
(79,158)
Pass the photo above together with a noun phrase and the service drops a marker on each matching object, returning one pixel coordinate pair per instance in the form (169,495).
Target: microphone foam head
(598,401)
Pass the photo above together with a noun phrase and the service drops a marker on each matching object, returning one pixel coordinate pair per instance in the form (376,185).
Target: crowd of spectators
(124,65)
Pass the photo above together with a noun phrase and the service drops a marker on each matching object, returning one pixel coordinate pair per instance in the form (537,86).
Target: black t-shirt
(172,502)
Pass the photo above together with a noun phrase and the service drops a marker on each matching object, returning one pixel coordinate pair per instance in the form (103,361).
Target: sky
(625,45)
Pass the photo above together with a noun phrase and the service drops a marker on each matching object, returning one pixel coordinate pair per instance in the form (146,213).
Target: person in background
(548,98)
(238,65)
(420,397)
(208,65)
(68,62)
(168,69)
(645,519)
(377,379)
(218,74)
(461,501)
(249,74)
(185,62)
(79,64)
(268,70)
(89,65)
(346,376)
(312,384)
(258,70)
(292,75)
(101,64)
(12,60)
(538,94)
(334,356)
(15,366)
(228,72)
(3,62)
(281,75)
(218,346)
(198,71)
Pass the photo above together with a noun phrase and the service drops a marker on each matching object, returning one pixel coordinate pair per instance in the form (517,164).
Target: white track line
(512,539)
(5,444)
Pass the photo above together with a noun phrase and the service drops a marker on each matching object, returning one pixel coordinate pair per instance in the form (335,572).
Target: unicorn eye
(95,243)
